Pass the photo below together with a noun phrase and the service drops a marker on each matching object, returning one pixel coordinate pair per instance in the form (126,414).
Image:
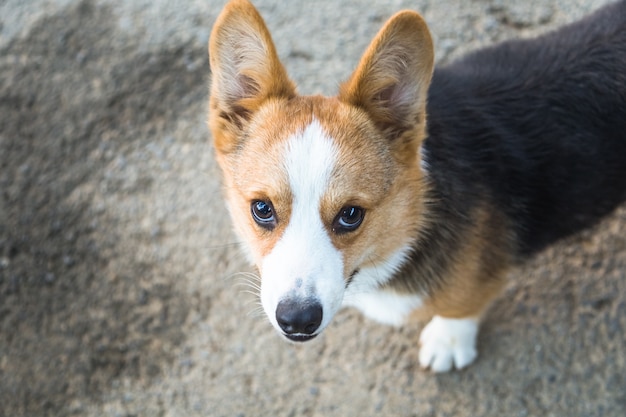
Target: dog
(415,188)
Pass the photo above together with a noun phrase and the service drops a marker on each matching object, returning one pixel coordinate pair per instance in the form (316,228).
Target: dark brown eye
(263,214)
(348,219)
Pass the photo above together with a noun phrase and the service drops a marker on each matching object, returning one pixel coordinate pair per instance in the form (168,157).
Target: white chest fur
(384,306)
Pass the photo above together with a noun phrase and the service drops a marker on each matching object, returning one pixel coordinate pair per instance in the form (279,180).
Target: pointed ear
(392,79)
(245,70)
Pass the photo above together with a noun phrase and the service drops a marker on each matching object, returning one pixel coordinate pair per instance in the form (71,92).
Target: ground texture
(119,285)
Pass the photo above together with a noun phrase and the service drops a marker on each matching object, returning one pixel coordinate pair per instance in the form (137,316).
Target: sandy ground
(119,285)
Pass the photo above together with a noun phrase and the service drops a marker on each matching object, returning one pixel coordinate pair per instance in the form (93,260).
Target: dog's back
(538,127)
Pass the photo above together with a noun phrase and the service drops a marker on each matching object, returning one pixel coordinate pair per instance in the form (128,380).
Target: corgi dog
(415,188)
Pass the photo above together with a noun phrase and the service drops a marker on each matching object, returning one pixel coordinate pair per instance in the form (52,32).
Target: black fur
(537,127)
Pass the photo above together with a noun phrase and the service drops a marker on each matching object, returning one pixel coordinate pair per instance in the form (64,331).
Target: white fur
(386,307)
(304,264)
(370,279)
(447,343)
(383,306)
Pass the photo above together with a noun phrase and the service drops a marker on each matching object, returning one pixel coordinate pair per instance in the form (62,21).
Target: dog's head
(321,189)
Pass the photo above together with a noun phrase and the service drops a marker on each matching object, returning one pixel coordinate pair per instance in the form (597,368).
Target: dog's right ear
(392,79)
(245,70)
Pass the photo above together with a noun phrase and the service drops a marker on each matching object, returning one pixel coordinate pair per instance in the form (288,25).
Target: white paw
(447,343)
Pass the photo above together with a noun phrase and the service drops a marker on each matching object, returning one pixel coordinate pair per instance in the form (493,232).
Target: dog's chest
(384,306)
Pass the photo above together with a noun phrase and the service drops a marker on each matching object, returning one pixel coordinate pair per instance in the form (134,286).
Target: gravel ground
(120,292)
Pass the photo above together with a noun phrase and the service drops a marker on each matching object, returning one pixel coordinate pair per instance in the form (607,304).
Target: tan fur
(241,32)
(477,275)
(396,67)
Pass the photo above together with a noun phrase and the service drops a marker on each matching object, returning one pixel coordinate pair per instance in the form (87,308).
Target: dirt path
(119,285)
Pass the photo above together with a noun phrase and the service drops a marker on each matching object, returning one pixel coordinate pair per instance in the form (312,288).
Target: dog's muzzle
(299,320)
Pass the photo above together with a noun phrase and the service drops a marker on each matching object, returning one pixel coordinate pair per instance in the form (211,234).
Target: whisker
(254,301)
(225,245)
(257,308)
(256,294)
(249,287)
(244,275)
(249,283)
(257,312)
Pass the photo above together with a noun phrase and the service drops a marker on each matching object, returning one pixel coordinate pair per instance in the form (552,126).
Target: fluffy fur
(413,189)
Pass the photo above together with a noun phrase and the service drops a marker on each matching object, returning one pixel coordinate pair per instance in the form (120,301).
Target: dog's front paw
(447,343)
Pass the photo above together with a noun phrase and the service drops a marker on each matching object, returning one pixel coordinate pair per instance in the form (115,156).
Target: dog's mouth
(300,338)
(351,277)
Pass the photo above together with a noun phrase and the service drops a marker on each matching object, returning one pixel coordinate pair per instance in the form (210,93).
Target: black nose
(299,320)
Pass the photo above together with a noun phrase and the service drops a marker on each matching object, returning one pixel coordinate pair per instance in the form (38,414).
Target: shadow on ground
(78,307)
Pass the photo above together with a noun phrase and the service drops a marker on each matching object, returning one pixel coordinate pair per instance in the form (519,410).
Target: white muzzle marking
(302,283)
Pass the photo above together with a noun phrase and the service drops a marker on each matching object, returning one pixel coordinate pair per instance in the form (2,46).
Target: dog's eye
(348,219)
(263,214)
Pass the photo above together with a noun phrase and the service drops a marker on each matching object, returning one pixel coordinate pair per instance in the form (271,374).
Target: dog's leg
(475,278)
(449,339)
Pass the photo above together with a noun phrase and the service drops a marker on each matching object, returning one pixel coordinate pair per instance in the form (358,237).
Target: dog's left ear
(392,79)
(245,71)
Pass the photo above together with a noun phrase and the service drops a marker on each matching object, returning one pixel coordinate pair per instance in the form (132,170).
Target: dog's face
(320,188)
